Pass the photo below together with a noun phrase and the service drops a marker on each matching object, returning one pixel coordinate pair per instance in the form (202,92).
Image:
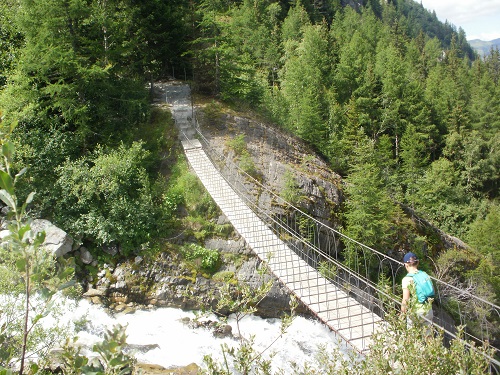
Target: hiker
(418,292)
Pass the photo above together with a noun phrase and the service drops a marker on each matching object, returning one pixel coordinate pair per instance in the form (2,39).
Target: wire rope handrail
(384,257)
(283,228)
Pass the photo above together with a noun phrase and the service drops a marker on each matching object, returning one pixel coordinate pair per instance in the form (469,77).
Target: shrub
(247,164)
(238,144)
(209,258)
(291,190)
(108,198)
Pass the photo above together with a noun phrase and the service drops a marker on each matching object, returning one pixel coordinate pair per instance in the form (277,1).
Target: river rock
(224,330)
(119,307)
(93,293)
(85,255)
(164,281)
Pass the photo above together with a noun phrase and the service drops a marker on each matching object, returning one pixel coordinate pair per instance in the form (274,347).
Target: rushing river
(178,344)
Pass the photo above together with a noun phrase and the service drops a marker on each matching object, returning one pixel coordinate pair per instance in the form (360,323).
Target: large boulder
(56,240)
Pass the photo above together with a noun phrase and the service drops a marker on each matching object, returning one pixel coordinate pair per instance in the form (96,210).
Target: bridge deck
(353,322)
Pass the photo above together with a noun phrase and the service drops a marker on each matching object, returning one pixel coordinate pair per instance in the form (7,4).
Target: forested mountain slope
(389,97)
(484,47)
(402,117)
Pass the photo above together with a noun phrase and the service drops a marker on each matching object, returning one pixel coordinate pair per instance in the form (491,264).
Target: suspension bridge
(343,298)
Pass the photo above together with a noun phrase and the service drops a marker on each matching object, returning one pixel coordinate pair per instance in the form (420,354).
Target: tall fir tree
(305,79)
(370,213)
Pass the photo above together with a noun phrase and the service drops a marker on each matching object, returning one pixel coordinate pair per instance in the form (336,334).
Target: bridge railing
(370,276)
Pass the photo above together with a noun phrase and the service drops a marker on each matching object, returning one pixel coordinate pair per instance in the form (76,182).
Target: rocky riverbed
(166,281)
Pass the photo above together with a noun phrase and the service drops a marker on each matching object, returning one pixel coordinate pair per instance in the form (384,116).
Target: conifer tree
(392,72)
(414,159)
(304,85)
(369,211)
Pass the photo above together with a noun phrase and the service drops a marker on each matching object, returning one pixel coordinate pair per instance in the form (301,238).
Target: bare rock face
(165,282)
(283,164)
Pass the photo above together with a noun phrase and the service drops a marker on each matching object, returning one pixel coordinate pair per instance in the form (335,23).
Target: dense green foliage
(338,77)
(108,197)
(74,75)
(394,100)
(209,259)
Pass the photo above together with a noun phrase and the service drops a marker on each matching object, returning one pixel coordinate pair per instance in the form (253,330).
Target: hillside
(380,91)
(484,47)
(286,166)
(374,117)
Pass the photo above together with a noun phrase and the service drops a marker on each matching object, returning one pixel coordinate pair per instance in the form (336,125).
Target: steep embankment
(280,164)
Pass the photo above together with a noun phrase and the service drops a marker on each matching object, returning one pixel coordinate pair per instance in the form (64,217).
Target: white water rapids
(180,345)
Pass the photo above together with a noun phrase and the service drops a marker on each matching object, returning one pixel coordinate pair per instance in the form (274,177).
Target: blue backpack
(423,286)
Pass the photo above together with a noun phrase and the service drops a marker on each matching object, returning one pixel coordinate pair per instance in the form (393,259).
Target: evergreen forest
(394,100)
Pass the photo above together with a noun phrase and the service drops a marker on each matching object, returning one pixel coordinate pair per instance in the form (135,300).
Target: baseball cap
(410,257)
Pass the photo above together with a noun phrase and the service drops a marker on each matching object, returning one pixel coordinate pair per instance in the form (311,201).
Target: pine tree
(415,158)
(391,69)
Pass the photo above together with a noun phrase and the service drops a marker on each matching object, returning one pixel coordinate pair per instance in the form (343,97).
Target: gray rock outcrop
(166,282)
(56,240)
(85,255)
(278,158)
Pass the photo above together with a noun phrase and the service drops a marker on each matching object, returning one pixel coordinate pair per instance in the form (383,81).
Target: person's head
(410,260)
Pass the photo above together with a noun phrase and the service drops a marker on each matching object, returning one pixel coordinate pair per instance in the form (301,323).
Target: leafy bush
(112,358)
(238,144)
(409,350)
(108,197)
(209,258)
(111,351)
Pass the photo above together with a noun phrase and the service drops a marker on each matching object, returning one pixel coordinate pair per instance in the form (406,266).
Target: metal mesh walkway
(350,294)
(353,322)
